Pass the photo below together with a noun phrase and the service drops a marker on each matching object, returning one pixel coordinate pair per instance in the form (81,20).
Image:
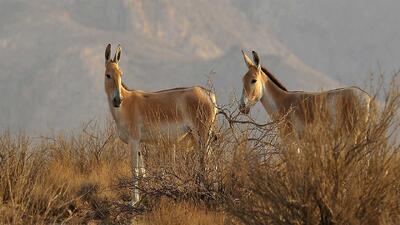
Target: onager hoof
(134,202)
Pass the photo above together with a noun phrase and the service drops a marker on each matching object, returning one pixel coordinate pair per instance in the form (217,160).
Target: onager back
(147,117)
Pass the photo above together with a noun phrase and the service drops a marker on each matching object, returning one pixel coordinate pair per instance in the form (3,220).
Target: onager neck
(272,98)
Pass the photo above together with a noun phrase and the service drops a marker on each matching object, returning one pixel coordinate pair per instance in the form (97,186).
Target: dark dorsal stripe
(172,89)
(273,79)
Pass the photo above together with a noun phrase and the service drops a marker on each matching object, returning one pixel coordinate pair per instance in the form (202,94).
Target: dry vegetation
(251,176)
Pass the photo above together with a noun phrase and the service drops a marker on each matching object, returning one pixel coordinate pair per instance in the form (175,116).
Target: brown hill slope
(52,62)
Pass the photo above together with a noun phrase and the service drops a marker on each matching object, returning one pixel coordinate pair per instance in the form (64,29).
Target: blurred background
(52,52)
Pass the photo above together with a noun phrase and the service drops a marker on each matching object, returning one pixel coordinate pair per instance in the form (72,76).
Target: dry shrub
(24,199)
(330,176)
(80,178)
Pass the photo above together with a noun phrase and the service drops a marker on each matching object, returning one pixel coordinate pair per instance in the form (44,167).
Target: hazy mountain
(52,61)
(344,39)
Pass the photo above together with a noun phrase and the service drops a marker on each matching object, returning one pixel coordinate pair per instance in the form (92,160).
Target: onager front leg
(134,145)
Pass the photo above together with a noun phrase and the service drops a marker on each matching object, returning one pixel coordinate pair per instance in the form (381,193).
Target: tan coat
(148,117)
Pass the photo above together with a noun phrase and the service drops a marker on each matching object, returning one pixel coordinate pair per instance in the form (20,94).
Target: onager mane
(273,79)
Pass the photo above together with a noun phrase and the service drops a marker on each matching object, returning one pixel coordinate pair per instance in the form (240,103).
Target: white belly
(164,132)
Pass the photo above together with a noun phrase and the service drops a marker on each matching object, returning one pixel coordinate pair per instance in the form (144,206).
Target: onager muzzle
(243,107)
(116,99)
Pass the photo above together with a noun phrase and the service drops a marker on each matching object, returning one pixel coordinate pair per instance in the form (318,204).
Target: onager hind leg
(142,168)
(201,137)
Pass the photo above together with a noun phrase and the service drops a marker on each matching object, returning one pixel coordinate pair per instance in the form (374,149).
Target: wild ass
(147,117)
(300,108)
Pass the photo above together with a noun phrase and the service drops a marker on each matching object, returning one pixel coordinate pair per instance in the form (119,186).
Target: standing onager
(300,108)
(147,117)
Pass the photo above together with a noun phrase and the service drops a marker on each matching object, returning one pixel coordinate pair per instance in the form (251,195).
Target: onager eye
(253,81)
(108,76)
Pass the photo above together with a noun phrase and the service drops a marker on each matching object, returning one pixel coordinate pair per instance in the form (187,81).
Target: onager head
(253,84)
(113,76)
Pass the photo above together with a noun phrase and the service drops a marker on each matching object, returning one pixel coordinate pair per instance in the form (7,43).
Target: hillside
(345,39)
(52,61)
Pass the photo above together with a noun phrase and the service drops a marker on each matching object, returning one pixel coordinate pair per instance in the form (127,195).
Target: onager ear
(256,58)
(117,55)
(108,52)
(247,60)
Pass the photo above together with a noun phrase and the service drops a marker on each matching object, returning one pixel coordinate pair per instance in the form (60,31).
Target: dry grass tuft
(168,212)
(59,179)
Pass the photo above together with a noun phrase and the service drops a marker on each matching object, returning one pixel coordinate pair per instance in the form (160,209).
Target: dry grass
(171,213)
(59,179)
(251,176)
